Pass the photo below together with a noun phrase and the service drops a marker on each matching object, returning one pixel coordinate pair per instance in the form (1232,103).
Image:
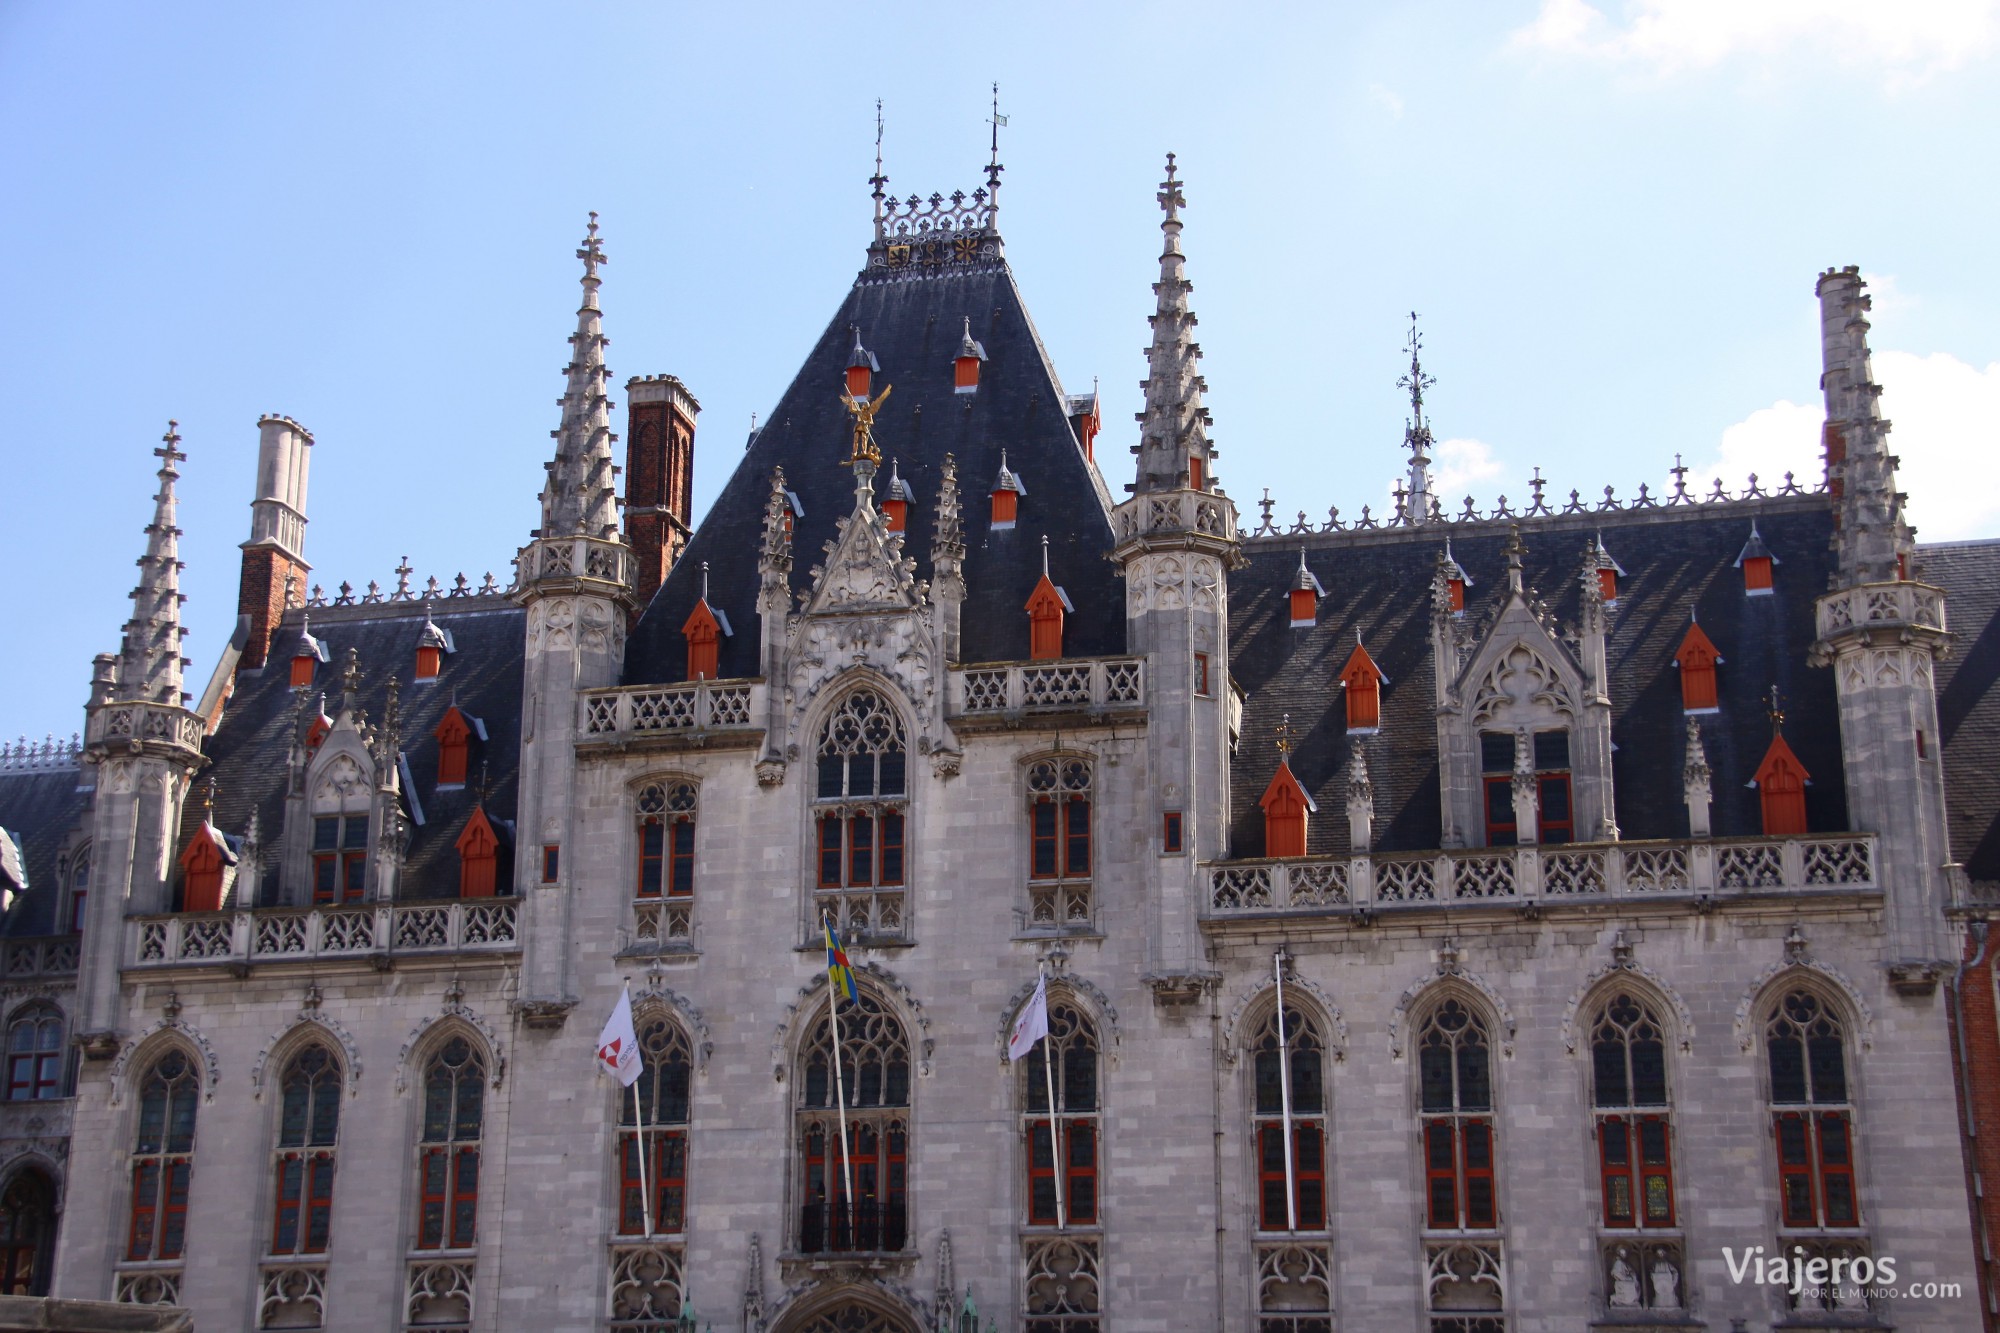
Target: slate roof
(42,807)
(1379,582)
(1968,704)
(913,321)
(248,752)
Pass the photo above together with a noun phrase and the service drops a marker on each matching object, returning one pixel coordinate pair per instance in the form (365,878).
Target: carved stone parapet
(543,1015)
(165,731)
(1177,520)
(1173,990)
(578,565)
(1880,613)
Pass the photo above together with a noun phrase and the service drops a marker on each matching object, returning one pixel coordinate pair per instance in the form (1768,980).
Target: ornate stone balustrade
(1011,690)
(697,707)
(132,725)
(1566,872)
(286,934)
(1887,607)
(1209,513)
(38,956)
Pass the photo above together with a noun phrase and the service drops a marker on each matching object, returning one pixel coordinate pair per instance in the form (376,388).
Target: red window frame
(1078,1138)
(1059,837)
(1170,833)
(1499,832)
(1459,1154)
(1195,479)
(1554,830)
(1816,1169)
(1201,687)
(861,849)
(551,862)
(1308,1175)
(1629,1184)
(340,872)
(448,1206)
(304,1181)
(666,1177)
(158,1229)
(77,900)
(880,1156)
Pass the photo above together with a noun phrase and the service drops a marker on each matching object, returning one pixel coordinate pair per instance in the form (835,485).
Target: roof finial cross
(1416,381)
(1777,712)
(208,801)
(993,167)
(1284,733)
(1171,197)
(592,251)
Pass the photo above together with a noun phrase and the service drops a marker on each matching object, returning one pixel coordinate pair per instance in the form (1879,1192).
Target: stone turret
(1176,544)
(576,579)
(146,745)
(1881,631)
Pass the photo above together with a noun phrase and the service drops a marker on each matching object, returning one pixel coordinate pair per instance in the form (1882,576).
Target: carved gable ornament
(1521,675)
(865,570)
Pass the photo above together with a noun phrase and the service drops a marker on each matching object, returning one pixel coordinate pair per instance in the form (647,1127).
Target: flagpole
(840,1090)
(645,1192)
(1055,1145)
(1285,1094)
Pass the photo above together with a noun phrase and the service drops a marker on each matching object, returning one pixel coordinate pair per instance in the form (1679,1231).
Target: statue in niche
(1666,1284)
(1624,1281)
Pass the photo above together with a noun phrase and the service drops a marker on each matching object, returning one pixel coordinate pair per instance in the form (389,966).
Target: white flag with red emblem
(618,1044)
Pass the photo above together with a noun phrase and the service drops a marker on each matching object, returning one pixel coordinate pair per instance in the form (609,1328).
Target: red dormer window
(1285,806)
(965,368)
(202,865)
(896,500)
(429,660)
(1756,562)
(1607,583)
(1696,659)
(316,733)
(1455,589)
(478,857)
(1046,606)
(1087,421)
(1363,681)
(1006,507)
(704,641)
(1306,592)
(861,366)
(1781,791)
(302,670)
(454,737)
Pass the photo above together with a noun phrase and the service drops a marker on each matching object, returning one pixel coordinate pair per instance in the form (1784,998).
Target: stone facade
(1483,984)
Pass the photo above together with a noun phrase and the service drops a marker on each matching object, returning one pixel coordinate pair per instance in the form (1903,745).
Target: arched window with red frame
(860,803)
(35,1053)
(666,814)
(303,1159)
(1812,1112)
(874,1056)
(1781,791)
(657,1131)
(1628,1053)
(1696,660)
(1455,1118)
(163,1159)
(448,1147)
(1069,1160)
(478,849)
(1300,1059)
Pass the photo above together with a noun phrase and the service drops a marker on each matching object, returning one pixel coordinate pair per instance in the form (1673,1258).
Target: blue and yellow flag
(838,973)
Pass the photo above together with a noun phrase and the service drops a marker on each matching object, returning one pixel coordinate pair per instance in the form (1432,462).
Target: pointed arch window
(874,1079)
(454,735)
(657,1131)
(27,1228)
(666,839)
(860,804)
(1059,842)
(1363,681)
(1697,659)
(1069,1160)
(1455,1112)
(1811,1112)
(1628,1055)
(204,865)
(1301,1055)
(163,1159)
(448,1147)
(478,850)
(35,1053)
(1046,607)
(302,1169)
(79,888)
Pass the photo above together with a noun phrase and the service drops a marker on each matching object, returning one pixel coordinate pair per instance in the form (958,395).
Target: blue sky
(1609,217)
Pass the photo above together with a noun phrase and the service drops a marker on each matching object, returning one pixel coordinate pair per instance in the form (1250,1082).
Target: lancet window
(1290,1073)
(163,1159)
(340,858)
(1628,1055)
(448,1147)
(308,1130)
(666,814)
(854,1200)
(1059,842)
(35,1053)
(1811,1111)
(27,1225)
(1455,1108)
(653,1135)
(1549,755)
(1066,1158)
(860,803)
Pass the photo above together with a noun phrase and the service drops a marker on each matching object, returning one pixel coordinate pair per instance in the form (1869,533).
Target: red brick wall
(261,596)
(1977,1068)
(659,488)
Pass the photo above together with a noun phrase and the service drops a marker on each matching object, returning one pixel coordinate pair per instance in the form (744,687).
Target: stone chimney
(659,475)
(274,562)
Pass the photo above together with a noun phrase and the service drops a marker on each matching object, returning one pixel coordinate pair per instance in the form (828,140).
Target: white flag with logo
(1033,1024)
(618,1044)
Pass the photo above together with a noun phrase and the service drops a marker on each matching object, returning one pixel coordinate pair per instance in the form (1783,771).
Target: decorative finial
(704,580)
(864,425)
(993,167)
(1284,734)
(1045,555)
(1514,550)
(878,180)
(208,801)
(1777,711)
(592,251)
(1416,381)
(1171,197)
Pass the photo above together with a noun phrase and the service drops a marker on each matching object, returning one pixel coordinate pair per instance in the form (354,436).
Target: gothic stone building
(1469,922)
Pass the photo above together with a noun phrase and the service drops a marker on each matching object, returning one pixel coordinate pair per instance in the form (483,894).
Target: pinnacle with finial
(591,252)
(150,666)
(1777,712)
(1172,198)
(1284,735)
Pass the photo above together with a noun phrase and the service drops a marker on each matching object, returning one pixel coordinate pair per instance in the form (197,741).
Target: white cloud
(1907,39)
(1464,465)
(1946,418)
(1386,99)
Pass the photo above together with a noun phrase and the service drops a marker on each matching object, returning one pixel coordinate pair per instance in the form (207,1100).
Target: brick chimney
(659,475)
(274,557)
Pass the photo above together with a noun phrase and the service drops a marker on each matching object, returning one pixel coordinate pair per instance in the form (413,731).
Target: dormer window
(861,368)
(1756,562)
(1086,420)
(317,732)
(339,858)
(1306,592)
(1608,574)
(204,865)
(896,497)
(1047,605)
(1697,660)
(794,509)
(1456,581)
(432,645)
(455,733)
(478,857)
(705,629)
(1362,680)
(1286,806)
(965,368)
(1008,489)
(1781,790)
(307,653)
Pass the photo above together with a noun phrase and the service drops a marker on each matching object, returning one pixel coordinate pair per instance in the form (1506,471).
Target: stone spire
(150,661)
(1174,424)
(948,561)
(1419,499)
(580,498)
(1873,541)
